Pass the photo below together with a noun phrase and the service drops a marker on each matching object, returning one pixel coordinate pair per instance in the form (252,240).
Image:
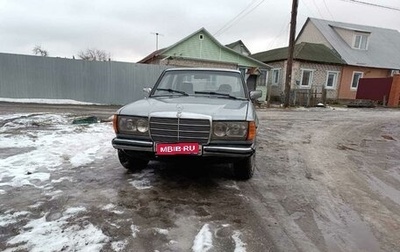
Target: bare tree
(94,55)
(37,50)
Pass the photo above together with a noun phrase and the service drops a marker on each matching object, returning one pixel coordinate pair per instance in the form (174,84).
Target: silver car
(192,114)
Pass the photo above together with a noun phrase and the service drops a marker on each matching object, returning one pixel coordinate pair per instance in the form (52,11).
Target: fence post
(268,94)
(323,95)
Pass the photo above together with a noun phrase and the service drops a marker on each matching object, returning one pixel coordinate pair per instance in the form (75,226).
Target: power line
(330,13)
(285,28)
(372,4)
(239,16)
(317,7)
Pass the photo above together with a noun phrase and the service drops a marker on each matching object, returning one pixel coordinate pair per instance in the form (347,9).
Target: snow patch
(161,231)
(46,101)
(42,235)
(232,186)
(135,230)
(65,143)
(142,184)
(111,208)
(203,240)
(240,246)
(36,205)
(9,219)
(119,245)
(74,210)
(61,180)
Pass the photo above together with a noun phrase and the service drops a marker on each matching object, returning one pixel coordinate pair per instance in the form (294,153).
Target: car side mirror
(255,94)
(146,91)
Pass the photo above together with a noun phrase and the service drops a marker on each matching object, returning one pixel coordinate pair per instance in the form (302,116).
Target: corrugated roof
(383,44)
(303,51)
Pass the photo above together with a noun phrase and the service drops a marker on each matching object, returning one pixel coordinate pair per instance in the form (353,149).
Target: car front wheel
(244,169)
(131,163)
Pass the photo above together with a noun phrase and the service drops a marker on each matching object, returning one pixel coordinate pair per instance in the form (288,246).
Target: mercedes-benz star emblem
(179,108)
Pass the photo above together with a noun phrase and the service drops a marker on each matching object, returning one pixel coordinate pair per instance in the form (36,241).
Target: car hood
(217,108)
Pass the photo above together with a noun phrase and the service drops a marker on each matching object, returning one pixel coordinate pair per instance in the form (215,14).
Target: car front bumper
(209,150)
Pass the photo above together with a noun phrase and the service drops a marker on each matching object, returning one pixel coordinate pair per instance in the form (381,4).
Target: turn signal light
(251,135)
(115,123)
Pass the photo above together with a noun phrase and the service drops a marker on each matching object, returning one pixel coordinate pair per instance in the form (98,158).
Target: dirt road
(326,180)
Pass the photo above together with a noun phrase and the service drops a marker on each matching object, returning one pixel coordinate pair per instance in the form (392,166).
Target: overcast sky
(126,28)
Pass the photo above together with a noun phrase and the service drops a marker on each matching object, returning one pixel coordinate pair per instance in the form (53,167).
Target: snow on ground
(142,181)
(10,218)
(240,246)
(33,148)
(51,142)
(46,101)
(119,245)
(59,235)
(135,230)
(203,240)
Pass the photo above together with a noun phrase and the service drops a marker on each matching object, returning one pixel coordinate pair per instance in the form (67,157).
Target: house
(315,67)
(369,52)
(239,47)
(334,56)
(201,49)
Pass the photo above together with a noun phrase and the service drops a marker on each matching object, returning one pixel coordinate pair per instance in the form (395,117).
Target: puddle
(86,120)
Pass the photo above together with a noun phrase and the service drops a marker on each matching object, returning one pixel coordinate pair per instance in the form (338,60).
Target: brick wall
(320,72)
(345,90)
(394,97)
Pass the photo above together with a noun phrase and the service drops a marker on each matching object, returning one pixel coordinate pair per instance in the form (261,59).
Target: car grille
(171,130)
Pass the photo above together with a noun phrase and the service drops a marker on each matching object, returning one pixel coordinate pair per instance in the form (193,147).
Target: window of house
(331,79)
(360,41)
(306,78)
(275,76)
(356,78)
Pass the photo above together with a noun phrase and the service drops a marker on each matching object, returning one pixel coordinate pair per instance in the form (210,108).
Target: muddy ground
(327,179)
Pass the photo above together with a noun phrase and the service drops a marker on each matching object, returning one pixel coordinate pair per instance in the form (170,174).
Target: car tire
(131,163)
(244,169)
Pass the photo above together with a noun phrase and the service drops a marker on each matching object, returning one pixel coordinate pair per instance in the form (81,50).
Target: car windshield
(218,84)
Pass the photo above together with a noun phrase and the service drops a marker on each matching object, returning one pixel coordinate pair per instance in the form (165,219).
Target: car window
(193,82)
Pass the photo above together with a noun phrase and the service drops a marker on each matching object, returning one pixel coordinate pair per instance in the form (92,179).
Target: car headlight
(227,130)
(132,125)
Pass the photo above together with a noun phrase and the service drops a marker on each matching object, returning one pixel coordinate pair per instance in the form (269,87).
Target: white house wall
(311,34)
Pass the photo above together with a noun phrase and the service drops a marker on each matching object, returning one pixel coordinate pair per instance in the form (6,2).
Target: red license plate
(177,149)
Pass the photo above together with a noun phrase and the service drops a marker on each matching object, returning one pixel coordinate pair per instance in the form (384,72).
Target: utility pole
(157,34)
(289,65)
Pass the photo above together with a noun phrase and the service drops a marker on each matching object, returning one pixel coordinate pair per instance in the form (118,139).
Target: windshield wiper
(173,91)
(219,94)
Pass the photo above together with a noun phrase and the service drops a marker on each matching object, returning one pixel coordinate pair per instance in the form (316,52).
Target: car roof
(202,69)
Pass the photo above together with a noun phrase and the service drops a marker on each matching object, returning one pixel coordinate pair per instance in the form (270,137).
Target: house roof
(151,55)
(165,52)
(303,51)
(238,43)
(383,49)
